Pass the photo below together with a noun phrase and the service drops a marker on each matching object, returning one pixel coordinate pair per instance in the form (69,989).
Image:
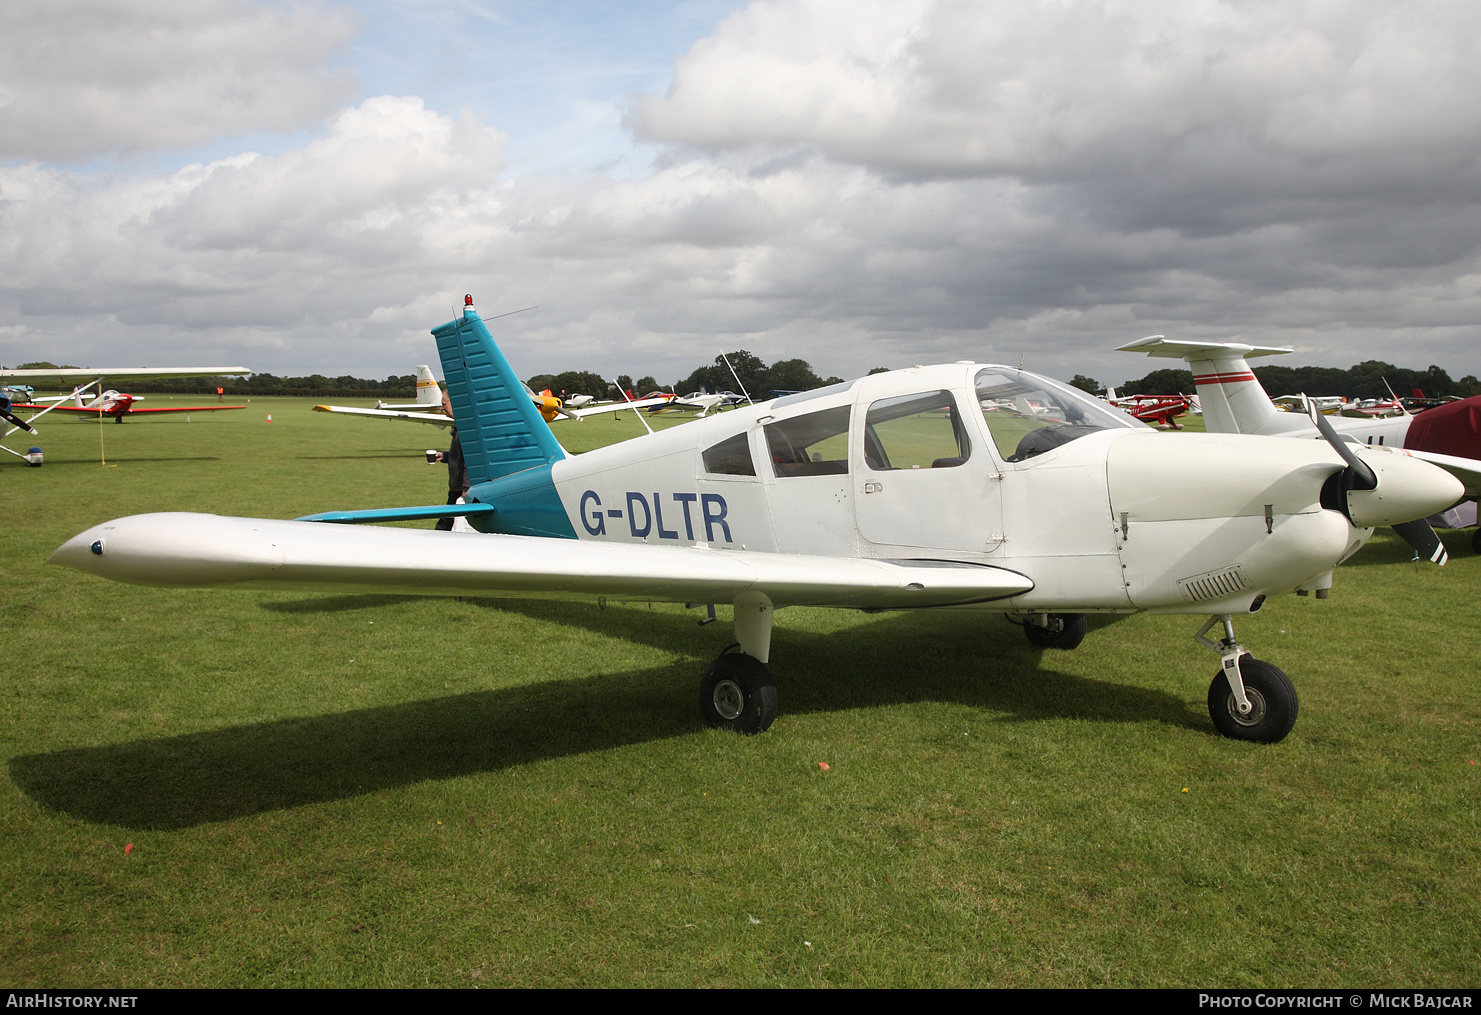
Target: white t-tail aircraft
(1234,402)
(896,491)
(429,393)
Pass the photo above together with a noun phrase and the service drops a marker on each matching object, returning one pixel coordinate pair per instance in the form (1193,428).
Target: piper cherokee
(966,486)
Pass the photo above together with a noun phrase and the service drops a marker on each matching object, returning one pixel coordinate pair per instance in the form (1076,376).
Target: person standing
(457,472)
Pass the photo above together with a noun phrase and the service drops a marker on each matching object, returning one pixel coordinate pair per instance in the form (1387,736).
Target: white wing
(80,375)
(180,549)
(435,418)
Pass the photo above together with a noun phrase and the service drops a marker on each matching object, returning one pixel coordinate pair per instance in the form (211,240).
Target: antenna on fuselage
(636,412)
(737,378)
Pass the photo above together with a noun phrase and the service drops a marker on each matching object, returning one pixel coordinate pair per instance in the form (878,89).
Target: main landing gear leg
(737,692)
(1248,699)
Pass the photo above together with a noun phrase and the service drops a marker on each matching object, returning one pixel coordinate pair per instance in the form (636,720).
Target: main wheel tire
(1271,695)
(1070,634)
(737,693)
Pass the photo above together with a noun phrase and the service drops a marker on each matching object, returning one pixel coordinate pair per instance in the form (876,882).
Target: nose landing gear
(1249,699)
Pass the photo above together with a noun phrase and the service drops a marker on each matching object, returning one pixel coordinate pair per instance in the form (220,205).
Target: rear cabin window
(812,445)
(922,431)
(731,457)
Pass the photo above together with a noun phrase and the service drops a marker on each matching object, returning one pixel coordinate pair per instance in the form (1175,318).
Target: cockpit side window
(1029,415)
(731,457)
(920,431)
(812,445)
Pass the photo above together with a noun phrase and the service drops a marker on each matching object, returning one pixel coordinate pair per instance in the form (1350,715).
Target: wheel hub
(1257,707)
(728,699)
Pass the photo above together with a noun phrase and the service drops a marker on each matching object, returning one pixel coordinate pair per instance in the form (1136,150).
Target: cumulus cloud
(859,186)
(1050,91)
(80,78)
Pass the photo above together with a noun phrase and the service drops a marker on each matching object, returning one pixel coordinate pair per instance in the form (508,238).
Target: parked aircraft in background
(895,491)
(80,379)
(1160,411)
(548,405)
(701,402)
(429,394)
(116,405)
(1327,405)
(1234,402)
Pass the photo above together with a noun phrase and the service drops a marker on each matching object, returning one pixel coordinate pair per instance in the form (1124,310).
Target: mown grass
(387,790)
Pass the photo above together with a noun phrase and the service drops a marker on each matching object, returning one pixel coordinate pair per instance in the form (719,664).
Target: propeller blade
(1421,536)
(1362,477)
(11,418)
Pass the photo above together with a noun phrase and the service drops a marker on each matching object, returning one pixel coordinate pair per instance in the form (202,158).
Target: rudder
(499,428)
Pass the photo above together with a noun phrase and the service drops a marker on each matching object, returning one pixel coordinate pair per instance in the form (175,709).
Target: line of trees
(759,379)
(1362,380)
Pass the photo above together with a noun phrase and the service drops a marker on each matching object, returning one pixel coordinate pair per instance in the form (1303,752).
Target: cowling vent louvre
(1218,584)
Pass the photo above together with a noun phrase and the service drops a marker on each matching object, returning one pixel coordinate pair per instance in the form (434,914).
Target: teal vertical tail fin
(499,428)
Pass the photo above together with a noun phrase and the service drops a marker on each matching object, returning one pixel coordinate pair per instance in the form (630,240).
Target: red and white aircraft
(79,379)
(117,405)
(1160,411)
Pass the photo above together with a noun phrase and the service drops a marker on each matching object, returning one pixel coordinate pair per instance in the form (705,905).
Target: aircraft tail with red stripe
(1231,398)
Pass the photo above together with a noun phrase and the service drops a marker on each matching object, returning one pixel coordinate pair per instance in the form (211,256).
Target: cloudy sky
(312,186)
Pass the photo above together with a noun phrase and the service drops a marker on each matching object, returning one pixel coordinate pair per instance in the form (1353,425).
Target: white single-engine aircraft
(1235,402)
(895,491)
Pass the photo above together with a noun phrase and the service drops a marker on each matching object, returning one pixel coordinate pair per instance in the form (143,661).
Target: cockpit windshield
(1029,415)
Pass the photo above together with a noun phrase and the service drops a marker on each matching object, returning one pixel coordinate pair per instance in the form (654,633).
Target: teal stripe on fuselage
(525,504)
(499,428)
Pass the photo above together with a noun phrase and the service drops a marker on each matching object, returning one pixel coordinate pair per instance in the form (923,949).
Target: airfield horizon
(392,790)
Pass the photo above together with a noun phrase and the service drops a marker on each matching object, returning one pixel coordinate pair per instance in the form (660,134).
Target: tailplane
(499,428)
(1231,398)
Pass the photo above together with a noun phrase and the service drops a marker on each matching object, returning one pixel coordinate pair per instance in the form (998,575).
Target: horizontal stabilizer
(401,514)
(184,550)
(1157,345)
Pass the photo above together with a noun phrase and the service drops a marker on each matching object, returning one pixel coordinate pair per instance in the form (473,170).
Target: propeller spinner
(1388,489)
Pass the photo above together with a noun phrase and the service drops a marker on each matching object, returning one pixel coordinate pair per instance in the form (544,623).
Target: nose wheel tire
(1070,633)
(1272,700)
(737,693)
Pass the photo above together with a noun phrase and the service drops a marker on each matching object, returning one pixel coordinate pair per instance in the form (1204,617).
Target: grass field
(386,790)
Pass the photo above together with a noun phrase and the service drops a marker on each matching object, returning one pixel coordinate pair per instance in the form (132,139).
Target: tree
(789,375)
(748,368)
(1159,382)
(1089,384)
(879,370)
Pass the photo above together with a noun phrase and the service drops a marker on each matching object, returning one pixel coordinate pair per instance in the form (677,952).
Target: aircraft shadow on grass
(217,775)
(412,455)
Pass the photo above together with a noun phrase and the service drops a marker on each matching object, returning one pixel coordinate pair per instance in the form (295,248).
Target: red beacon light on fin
(468,300)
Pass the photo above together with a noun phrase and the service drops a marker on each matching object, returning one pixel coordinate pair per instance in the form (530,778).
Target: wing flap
(180,549)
